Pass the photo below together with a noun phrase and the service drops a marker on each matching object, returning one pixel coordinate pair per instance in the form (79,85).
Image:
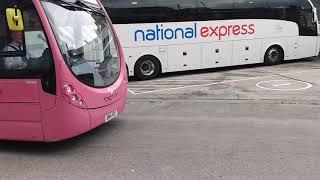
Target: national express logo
(218,32)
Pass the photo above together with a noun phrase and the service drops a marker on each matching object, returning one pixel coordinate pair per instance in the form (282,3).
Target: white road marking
(222,82)
(306,85)
(202,85)
(132,92)
(279,85)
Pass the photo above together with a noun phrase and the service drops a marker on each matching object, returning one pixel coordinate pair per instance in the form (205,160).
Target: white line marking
(223,82)
(132,92)
(202,85)
(160,85)
(184,80)
(279,85)
(307,85)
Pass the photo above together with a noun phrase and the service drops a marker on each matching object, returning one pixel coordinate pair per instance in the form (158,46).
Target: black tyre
(274,55)
(147,67)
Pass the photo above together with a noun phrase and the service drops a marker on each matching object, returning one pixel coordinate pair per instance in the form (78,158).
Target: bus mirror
(14,19)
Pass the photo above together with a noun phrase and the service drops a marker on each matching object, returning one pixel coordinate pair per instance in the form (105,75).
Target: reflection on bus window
(26,51)
(86,42)
(15,45)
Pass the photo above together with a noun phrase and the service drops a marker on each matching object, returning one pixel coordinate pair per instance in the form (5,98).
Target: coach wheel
(274,55)
(147,67)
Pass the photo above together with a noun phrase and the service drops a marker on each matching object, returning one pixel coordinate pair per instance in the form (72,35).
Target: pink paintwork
(29,114)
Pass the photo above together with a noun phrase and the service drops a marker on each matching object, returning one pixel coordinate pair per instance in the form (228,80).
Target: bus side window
(303,21)
(1,64)
(303,4)
(35,59)
(2,42)
(12,51)
(215,10)
(38,50)
(4,31)
(306,26)
(150,11)
(124,11)
(246,9)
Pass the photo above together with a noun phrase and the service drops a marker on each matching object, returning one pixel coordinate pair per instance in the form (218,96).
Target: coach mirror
(14,19)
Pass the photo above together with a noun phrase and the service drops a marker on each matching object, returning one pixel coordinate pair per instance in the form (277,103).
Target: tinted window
(279,3)
(306,26)
(215,10)
(249,4)
(218,4)
(149,11)
(167,11)
(250,9)
(316,4)
(303,4)
(140,11)
(24,54)
(187,10)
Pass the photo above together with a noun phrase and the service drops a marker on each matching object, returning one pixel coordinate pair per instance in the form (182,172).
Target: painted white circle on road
(284,85)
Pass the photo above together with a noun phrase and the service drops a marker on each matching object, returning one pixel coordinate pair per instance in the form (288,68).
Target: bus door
(308,30)
(27,78)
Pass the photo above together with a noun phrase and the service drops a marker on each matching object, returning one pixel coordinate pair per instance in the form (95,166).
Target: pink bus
(62,72)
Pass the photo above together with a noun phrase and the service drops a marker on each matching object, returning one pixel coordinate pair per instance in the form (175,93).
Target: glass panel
(216,10)
(24,54)
(151,11)
(11,41)
(246,4)
(303,4)
(306,25)
(86,42)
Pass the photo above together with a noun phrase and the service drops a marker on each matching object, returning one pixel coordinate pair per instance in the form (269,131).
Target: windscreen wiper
(98,10)
(83,6)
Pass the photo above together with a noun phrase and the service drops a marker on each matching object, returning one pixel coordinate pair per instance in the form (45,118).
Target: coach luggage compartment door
(184,57)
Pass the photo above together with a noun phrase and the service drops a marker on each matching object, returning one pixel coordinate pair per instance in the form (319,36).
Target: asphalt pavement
(239,123)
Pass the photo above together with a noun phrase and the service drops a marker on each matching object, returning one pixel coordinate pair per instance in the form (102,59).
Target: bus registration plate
(111,115)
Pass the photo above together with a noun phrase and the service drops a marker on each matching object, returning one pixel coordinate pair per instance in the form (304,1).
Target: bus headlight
(72,96)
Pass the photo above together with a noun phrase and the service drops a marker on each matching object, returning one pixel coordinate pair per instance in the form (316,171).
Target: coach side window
(306,25)
(187,10)
(246,9)
(151,11)
(317,5)
(141,11)
(144,11)
(159,11)
(122,11)
(303,4)
(250,4)
(278,8)
(215,10)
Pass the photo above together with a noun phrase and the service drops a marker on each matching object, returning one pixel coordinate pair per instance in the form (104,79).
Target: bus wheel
(274,55)
(147,67)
